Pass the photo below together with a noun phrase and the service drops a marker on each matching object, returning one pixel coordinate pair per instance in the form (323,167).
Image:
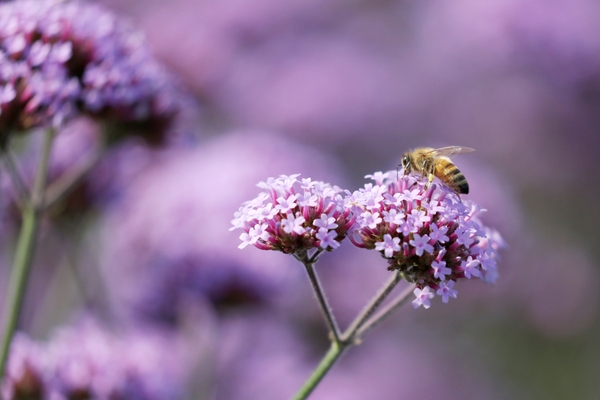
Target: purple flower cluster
(87,362)
(294,216)
(427,232)
(61,58)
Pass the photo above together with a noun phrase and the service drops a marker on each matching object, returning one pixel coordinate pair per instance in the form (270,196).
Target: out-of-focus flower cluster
(425,231)
(294,215)
(86,361)
(59,59)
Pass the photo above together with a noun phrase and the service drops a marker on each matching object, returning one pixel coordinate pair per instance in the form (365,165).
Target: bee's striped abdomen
(463,186)
(452,177)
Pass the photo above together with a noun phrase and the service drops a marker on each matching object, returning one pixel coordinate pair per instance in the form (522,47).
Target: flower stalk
(61,187)
(371,307)
(24,252)
(17,179)
(385,312)
(317,288)
(429,236)
(333,354)
(352,335)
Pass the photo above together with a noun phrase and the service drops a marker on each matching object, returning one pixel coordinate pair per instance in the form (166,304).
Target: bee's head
(406,163)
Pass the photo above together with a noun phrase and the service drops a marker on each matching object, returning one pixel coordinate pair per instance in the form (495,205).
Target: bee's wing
(450,150)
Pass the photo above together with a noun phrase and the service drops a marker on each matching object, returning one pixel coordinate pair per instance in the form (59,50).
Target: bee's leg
(427,169)
(430,177)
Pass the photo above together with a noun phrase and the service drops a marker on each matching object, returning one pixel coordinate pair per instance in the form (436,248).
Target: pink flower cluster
(425,231)
(294,215)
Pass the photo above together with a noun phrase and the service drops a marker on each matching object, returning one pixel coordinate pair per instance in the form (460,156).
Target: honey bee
(435,162)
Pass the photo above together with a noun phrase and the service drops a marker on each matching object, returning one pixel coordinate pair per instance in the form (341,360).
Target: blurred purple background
(337,90)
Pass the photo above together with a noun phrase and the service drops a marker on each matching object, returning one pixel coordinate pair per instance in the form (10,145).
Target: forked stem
(363,322)
(24,252)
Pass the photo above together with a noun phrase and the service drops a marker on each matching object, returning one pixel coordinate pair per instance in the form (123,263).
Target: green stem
(327,313)
(363,322)
(24,252)
(60,188)
(369,309)
(386,311)
(335,351)
(16,177)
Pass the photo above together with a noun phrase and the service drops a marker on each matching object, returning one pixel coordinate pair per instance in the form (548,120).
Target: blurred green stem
(17,178)
(62,186)
(24,251)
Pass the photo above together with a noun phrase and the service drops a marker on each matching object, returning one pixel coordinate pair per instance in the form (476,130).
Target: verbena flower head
(61,58)
(87,361)
(294,216)
(429,233)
